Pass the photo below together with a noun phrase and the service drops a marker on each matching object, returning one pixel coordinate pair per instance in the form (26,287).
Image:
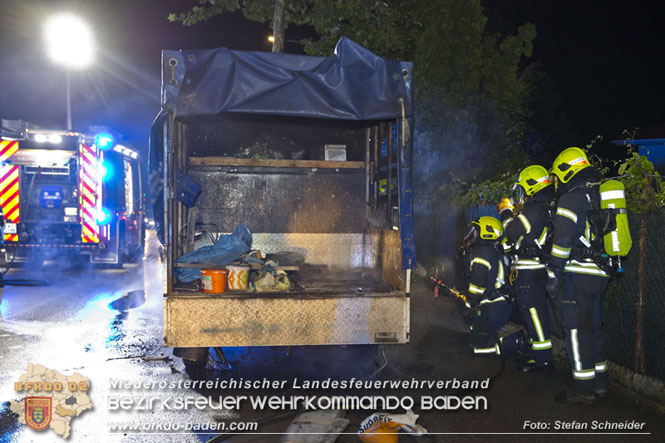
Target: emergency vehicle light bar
(104,141)
(126,151)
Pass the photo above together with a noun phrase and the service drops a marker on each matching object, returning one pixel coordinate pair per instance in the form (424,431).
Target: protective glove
(505,205)
(552,286)
(467,311)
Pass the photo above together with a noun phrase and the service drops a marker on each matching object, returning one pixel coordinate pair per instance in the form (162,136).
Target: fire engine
(65,194)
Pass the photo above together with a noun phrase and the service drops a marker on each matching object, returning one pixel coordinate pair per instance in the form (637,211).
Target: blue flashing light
(103,217)
(106,170)
(104,141)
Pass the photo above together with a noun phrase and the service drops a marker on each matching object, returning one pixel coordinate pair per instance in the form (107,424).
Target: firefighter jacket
(486,274)
(572,249)
(525,235)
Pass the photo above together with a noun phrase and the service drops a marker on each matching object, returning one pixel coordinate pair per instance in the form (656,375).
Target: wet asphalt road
(70,327)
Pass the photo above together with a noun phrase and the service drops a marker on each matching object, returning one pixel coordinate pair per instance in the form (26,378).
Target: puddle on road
(106,332)
(131,300)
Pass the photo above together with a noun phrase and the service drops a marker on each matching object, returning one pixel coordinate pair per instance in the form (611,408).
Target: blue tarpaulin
(227,249)
(351,84)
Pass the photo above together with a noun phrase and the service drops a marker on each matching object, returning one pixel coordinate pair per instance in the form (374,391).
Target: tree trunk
(278,26)
(639,363)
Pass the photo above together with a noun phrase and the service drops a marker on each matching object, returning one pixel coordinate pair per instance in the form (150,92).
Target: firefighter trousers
(491,315)
(583,311)
(531,299)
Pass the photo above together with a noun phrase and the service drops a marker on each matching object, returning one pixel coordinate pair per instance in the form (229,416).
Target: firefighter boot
(514,344)
(601,385)
(531,366)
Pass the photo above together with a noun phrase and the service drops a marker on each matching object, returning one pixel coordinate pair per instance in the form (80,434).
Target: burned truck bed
(335,307)
(351,288)
(318,281)
(313,155)
(323,280)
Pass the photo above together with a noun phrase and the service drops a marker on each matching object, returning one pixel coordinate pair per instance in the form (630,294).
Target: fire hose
(439,283)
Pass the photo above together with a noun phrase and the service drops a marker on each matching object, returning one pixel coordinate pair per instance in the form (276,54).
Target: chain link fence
(622,300)
(439,230)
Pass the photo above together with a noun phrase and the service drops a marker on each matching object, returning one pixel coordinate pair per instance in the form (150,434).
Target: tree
(471,86)
(278,11)
(279,27)
(381,26)
(472,98)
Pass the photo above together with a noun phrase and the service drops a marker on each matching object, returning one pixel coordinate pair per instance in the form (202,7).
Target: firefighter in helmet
(525,235)
(575,264)
(491,307)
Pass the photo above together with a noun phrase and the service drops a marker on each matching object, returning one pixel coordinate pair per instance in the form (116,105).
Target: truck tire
(196,370)
(194,359)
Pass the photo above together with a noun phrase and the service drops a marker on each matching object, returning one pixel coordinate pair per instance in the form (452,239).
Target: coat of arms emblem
(38,412)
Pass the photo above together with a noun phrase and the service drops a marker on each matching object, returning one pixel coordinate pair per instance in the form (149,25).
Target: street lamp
(69,42)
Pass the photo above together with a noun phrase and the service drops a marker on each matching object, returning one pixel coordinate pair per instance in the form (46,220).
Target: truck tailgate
(284,319)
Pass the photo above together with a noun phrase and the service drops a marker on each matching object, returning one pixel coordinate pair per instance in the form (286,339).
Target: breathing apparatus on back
(608,219)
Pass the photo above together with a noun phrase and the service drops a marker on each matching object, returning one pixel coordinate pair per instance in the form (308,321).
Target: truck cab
(67,194)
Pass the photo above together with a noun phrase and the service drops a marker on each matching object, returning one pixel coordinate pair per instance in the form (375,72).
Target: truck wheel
(195,369)
(194,359)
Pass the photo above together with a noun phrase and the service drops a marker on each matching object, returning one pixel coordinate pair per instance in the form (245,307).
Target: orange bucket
(213,280)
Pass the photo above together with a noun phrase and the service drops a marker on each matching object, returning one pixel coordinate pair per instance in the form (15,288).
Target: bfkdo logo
(51,399)
(38,412)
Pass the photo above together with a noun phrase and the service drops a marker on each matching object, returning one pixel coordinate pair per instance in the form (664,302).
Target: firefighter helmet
(568,163)
(490,228)
(533,179)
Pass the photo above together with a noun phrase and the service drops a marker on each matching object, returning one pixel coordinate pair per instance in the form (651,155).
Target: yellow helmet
(533,178)
(490,228)
(568,163)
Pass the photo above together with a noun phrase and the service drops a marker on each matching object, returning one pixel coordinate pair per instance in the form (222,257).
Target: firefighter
(491,307)
(576,265)
(526,234)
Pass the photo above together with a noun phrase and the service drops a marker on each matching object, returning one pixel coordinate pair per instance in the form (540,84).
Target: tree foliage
(471,86)
(472,101)
(255,10)
(477,194)
(644,185)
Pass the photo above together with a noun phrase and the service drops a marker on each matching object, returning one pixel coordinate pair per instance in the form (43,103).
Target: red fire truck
(66,194)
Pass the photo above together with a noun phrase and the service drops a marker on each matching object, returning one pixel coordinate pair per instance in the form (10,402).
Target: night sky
(602,60)
(122,89)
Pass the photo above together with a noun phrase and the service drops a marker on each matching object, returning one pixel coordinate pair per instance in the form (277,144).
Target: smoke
(454,143)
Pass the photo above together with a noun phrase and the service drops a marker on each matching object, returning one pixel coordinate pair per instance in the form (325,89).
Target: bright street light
(271,39)
(69,42)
